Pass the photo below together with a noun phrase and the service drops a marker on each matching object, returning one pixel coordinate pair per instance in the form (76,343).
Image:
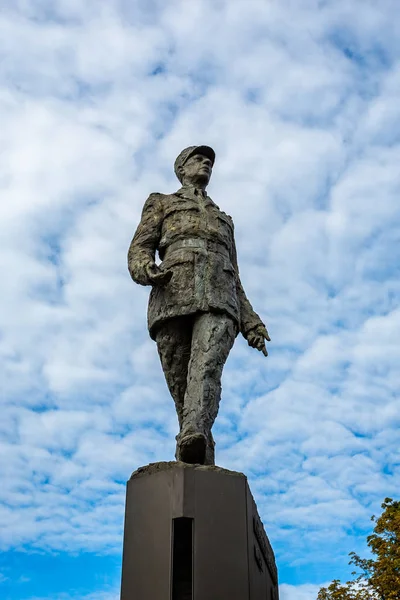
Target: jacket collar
(192,193)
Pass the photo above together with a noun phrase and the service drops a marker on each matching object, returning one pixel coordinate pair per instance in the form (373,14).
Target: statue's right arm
(142,251)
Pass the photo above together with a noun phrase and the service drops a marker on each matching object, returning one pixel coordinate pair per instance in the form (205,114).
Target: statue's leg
(174,339)
(212,339)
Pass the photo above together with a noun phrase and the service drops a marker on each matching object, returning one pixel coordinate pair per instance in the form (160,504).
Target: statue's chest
(187,217)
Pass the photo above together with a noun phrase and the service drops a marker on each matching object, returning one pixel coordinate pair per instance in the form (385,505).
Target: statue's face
(197,170)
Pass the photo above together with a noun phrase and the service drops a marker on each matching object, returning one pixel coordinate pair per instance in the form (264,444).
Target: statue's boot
(191,448)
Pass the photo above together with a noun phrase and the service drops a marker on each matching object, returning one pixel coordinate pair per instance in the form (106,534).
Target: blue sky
(300,100)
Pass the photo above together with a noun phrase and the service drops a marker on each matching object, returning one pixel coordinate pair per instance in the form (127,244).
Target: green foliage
(352,590)
(376,578)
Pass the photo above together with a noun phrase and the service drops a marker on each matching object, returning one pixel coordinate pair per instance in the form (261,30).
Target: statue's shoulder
(156,196)
(221,212)
(154,200)
(160,197)
(227,217)
(162,203)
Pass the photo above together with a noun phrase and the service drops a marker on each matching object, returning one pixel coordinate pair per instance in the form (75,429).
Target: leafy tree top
(376,578)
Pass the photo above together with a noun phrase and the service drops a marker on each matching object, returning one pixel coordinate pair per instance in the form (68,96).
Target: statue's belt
(197,244)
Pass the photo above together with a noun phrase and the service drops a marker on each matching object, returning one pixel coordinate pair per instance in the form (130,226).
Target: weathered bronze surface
(197,303)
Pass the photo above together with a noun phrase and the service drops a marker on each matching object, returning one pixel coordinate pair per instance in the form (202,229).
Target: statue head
(194,165)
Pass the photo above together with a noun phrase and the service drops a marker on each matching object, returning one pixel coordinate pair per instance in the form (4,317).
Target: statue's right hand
(158,277)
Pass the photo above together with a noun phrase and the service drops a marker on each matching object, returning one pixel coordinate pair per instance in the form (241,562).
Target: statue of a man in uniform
(197,303)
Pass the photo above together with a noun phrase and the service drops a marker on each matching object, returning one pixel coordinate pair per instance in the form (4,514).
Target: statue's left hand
(256,338)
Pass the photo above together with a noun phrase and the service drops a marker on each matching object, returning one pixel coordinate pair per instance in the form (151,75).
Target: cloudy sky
(300,100)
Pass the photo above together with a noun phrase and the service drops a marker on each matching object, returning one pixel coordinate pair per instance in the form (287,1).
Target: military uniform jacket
(194,240)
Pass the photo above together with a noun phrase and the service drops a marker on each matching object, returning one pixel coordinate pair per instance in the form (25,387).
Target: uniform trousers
(193,350)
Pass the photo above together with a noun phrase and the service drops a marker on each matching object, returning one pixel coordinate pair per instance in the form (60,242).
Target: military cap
(188,152)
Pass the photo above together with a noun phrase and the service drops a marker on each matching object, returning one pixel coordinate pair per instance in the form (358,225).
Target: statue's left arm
(251,326)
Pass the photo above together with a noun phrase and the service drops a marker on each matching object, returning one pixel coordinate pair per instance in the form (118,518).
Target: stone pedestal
(193,533)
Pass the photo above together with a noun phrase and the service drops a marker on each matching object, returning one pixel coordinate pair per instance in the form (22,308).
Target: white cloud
(299,592)
(300,102)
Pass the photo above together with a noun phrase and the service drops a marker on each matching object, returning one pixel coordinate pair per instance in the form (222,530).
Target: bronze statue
(197,303)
